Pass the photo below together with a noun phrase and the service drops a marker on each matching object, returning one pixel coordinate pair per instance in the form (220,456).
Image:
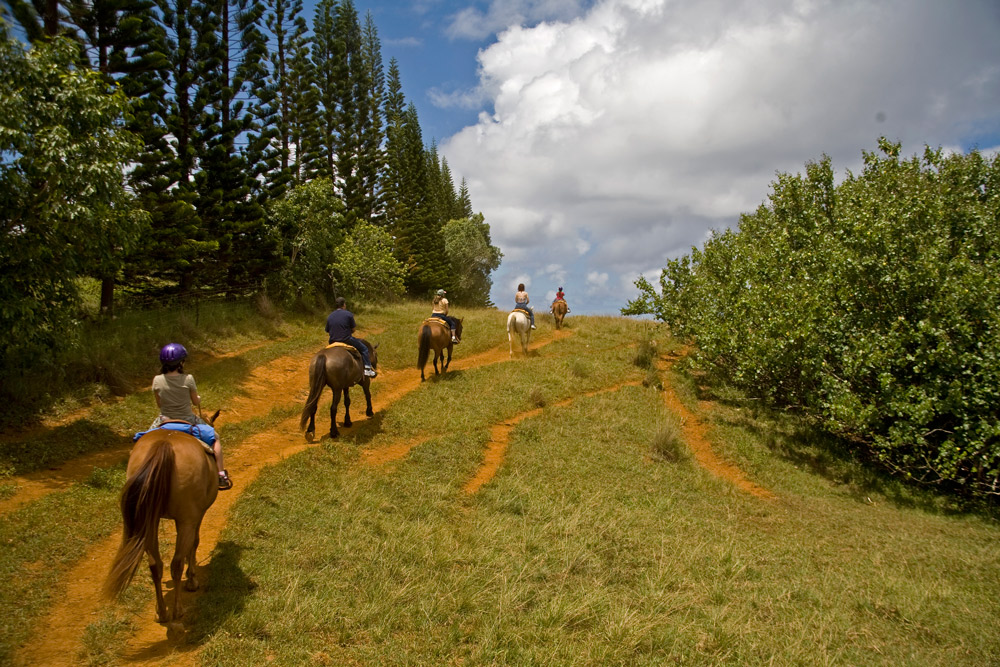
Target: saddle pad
(339,344)
(203,432)
(521,310)
(435,320)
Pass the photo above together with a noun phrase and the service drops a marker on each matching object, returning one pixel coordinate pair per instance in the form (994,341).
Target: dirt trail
(696,437)
(59,638)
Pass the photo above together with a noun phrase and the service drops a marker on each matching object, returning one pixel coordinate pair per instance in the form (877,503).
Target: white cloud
(617,137)
(472,23)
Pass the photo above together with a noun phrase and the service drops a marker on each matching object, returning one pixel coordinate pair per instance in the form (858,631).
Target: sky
(601,138)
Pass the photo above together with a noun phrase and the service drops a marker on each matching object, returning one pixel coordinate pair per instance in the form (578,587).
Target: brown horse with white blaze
(170,475)
(338,368)
(435,335)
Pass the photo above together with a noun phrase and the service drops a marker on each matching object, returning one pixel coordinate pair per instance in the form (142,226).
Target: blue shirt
(340,325)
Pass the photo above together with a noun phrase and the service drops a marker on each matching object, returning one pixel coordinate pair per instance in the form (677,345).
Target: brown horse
(436,335)
(170,475)
(339,369)
(559,309)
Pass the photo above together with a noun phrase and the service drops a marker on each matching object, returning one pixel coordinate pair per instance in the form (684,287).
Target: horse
(559,309)
(436,336)
(518,322)
(336,367)
(170,475)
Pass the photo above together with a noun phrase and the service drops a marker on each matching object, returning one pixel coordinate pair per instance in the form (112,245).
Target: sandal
(224,482)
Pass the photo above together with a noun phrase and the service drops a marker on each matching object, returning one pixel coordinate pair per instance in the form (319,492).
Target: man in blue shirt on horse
(340,325)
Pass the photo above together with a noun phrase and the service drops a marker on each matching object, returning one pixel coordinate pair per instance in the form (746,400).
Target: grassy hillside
(596,542)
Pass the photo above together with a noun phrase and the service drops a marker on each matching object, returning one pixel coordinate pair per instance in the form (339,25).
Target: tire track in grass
(496,448)
(696,437)
(58,638)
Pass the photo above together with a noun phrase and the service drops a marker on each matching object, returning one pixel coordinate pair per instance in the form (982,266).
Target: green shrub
(872,305)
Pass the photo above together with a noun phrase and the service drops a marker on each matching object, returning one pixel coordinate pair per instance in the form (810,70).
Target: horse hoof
(310,436)
(334,434)
(191,585)
(175,631)
(369,413)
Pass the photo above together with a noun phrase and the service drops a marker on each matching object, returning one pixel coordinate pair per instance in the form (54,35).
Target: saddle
(522,310)
(203,433)
(353,350)
(436,320)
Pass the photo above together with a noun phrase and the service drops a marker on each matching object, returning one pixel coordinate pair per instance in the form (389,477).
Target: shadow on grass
(51,447)
(226,594)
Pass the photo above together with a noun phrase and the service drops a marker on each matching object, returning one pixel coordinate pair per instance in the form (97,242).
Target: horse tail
(424,349)
(317,381)
(143,501)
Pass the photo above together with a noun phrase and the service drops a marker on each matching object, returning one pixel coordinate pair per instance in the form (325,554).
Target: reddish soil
(696,437)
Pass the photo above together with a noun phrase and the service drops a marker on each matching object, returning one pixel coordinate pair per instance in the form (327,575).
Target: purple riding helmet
(172,353)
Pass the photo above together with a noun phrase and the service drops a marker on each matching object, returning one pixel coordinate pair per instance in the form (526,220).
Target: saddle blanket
(204,432)
(353,350)
(521,310)
(435,320)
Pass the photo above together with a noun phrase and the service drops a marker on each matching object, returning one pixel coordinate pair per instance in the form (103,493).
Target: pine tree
(321,141)
(371,160)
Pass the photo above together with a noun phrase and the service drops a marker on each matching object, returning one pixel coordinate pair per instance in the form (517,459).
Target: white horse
(518,323)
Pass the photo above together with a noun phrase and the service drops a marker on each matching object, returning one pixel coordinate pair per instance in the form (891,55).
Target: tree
(365,267)
(310,222)
(472,259)
(63,208)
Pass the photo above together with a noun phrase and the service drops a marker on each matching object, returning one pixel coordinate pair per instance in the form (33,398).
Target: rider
(521,301)
(440,310)
(175,393)
(340,325)
(560,296)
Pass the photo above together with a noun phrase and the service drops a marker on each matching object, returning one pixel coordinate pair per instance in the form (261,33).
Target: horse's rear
(518,323)
(436,336)
(559,309)
(339,369)
(170,475)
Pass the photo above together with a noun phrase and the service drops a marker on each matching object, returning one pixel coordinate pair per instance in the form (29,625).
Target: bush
(873,305)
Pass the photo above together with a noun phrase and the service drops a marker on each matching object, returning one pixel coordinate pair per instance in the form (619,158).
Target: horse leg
(366,386)
(448,363)
(156,572)
(437,353)
(192,584)
(333,414)
(311,430)
(347,407)
(187,537)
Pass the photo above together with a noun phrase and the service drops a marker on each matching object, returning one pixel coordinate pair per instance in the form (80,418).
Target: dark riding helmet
(173,353)
(560,289)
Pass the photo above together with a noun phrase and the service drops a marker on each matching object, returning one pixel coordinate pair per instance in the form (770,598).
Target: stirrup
(455,340)
(224,482)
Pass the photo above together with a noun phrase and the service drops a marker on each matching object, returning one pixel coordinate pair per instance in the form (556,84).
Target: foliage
(63,208)
(310,223)
(365,266)
(873,305)
(472,259)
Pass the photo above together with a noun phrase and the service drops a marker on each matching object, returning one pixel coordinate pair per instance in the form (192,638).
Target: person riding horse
(439,309)
(175,392)
(560,296)
(341,325)
(521,302)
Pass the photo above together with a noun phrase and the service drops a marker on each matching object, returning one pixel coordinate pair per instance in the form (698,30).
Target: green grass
(600,541)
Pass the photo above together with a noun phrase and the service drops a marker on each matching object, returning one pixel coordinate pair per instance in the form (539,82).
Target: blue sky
(601,138)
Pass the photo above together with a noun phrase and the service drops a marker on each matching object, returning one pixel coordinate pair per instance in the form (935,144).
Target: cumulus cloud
(617,138)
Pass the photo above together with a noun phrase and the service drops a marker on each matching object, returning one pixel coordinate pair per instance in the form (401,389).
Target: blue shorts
(203,432)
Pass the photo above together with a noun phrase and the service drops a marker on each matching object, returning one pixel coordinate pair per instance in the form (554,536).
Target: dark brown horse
(170,475)
(338,368)
(559,309)
(435,335)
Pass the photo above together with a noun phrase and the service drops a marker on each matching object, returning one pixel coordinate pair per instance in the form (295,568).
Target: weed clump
(668,443)
(645,355)
(536,398)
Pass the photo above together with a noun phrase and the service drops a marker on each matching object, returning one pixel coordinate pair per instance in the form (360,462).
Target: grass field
(597,542)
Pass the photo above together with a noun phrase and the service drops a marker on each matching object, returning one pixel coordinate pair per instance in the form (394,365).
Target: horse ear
(376,346)
(214,417)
